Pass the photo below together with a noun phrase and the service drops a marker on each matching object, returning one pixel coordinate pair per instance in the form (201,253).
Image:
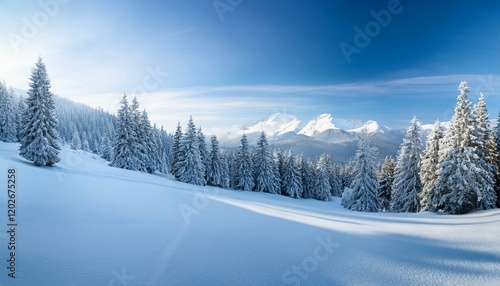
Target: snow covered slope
(84,223)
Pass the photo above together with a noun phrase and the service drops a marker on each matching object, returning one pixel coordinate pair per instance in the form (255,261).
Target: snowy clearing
(84,223)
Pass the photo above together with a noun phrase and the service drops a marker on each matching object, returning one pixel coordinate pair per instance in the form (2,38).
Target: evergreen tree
(175,149)
(322,188)
(76,142)
(39,136)
(362,195)
(205,157)
(8,117)
(292,181)
(243,167)
(265,176)
(485,145)
(149,159)
(334,178)
(215,168)
(225,174)
(107,149)
(385,182)
(190,168)
(124,145)
(21,108)
(430,167)
(407,186)
(307,175)
(457,183)
(496,135)
(85,142)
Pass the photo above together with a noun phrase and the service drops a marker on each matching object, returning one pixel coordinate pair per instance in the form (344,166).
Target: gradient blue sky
(263,57)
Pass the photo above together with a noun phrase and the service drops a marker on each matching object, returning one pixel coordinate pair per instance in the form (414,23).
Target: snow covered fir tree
(430,167)
(39,136)
(362,194)
(407,186)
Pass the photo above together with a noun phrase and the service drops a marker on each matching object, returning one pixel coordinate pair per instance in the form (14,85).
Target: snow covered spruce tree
(176,144)
(148,155)
(225,174)
(205,157)
(496,135)
(39,136)
(243,167)
(292,181)
(486,149)
(322,188)
(362,195)
(430,167)
(264,169)
(8,115)
(385,183)
(407,186)
(124,146)
(215,167)
(461,173)
(189,166)
(307,175)
(76,143)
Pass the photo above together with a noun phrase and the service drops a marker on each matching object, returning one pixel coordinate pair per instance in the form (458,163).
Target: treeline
(258,169)
(456,173)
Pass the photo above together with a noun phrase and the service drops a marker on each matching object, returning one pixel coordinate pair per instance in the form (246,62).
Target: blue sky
(236,66)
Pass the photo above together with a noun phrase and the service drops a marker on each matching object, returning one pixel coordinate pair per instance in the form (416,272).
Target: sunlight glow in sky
(231,62)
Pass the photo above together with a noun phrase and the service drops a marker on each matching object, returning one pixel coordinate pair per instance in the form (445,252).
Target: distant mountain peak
(319,124)
(275,125)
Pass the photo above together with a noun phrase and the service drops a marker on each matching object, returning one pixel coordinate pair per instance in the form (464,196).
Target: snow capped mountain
(319,124)
(369,127)
(279,124)
(275,125)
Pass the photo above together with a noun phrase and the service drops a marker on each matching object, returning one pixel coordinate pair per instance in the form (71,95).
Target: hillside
(84,223)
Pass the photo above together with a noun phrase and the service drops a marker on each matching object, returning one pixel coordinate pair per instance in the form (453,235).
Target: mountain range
(323,134)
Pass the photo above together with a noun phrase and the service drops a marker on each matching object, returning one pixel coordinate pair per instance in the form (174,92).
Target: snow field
(84,223)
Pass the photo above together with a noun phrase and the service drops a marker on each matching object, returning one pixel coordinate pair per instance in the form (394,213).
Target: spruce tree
(430,167)
(175,149)
(307,175)
(265,175)
(75,141)
(125,139)
(190,168)
(496,135)
(8,119)
(322,188)
(362,194)
(485,146)
(205,157)
(407,186)
(215,167)
(39,136)
(292,181)
(244,167)
(457,183)
(385,182)
(148,156)
(21,108)
(225,174)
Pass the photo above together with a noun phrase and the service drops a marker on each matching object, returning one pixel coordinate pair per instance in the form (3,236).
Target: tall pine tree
(244,167)
(39,136)
(362,195)
(407,186)
(458,180)
(190,168)
(265,175)
(430,167)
